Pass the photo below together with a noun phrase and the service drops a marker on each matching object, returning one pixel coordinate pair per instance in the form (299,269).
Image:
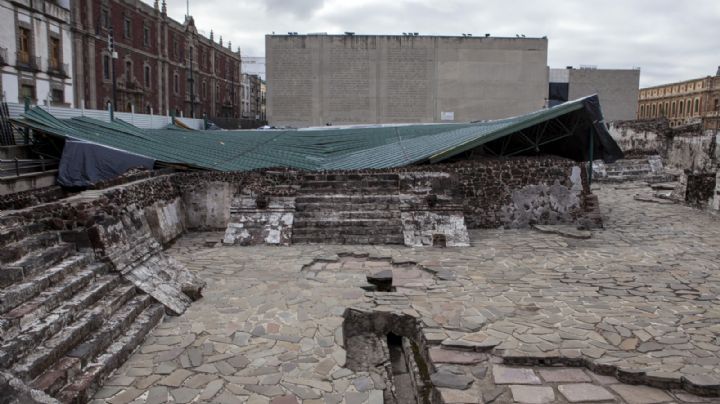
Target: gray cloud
(298,8)
(669,40)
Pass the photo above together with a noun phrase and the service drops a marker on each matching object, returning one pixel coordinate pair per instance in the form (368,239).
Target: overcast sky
(670,40)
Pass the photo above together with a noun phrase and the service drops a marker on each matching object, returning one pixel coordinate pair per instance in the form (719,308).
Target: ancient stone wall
(518,192)
(700,189)
(696,152)
(685,148)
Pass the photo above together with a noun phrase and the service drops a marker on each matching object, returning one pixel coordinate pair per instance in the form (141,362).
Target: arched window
(642,111)
(672,109)
(654,111)
(681,108)
(697,106)
(176,83)
(716,105)
(688,110)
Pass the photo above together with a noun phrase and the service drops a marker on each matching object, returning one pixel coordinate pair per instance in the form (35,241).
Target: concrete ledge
(26,182)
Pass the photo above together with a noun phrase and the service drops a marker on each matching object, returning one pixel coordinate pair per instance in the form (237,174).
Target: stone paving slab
(636,303)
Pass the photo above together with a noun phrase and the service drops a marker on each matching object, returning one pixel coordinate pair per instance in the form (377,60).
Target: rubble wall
(685,148)
(517,192)
(696,152)
(640,138)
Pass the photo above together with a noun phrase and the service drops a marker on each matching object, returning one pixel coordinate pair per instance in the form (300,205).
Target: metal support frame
(536,137)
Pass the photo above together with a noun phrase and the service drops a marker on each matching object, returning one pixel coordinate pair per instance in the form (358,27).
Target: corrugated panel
(353,148)
(143,121)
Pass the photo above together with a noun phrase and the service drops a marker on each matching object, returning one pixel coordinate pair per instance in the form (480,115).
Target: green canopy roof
(564,130)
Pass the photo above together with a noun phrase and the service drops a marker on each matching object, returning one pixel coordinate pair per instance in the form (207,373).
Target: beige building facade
(364,79)
(617,89)
(684,102)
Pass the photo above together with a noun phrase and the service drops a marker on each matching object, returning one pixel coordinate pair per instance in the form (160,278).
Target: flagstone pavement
(632,307)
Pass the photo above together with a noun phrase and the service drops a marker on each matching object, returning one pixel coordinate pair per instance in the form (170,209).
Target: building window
(176,52)
(681,108)
(58,96)
(672,109)
(642,111)
(697,106)
(27,92)
(687,108)
(176,83)
(716,107)
(204,90)
(654,110)
(146,36)
(146,75)
(106,67)
(55,53)
(24,46)
(128,72)
(104,18)
(127,28)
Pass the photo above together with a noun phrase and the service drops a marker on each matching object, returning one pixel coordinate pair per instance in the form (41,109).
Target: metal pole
(26,131)
(192,85)
(590,163)
(111,48)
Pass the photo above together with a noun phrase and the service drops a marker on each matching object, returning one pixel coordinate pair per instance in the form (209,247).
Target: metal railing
(18,167)
(59,68)
(26,60)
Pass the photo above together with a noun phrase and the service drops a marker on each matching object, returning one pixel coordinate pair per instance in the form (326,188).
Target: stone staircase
(348,209)
(66,321)
(648,169)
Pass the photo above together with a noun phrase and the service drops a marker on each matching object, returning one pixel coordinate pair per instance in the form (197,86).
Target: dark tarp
(83,164)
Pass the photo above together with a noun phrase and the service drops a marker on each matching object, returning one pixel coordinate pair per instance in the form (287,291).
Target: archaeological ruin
(487,262)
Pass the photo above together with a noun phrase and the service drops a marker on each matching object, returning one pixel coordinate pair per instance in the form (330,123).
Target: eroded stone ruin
(85,278)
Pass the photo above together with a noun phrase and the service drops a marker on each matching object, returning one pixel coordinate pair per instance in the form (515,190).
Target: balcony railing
(27,61)
(3,56)
(58,68)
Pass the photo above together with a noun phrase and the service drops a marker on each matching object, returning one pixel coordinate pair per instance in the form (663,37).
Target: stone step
(346,207)
(19,293)
(347,199)
(16,232)
(349,215)
(347,230)
(53,322)
(34,309)
(350,239)
(350,177)
(15,251)
(58,345)
(319,223)
(84,385)
(55,377)
(34,263)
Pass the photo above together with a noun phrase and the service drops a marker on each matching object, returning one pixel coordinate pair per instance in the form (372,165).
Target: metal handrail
(26,166)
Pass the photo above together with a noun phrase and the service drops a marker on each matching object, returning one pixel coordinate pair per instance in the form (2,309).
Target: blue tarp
(83,164)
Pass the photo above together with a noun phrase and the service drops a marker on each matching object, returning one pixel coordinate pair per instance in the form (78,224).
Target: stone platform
(520,316)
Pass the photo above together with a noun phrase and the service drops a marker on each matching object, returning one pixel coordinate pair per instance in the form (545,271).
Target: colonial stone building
(684,102)
(251,96)
(36,52)
(161,63)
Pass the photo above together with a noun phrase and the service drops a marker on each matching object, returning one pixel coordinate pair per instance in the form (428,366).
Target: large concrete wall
(342,79)
(617,89)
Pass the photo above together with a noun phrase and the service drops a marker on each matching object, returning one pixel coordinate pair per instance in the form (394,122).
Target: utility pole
(113,56)
(192,86)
